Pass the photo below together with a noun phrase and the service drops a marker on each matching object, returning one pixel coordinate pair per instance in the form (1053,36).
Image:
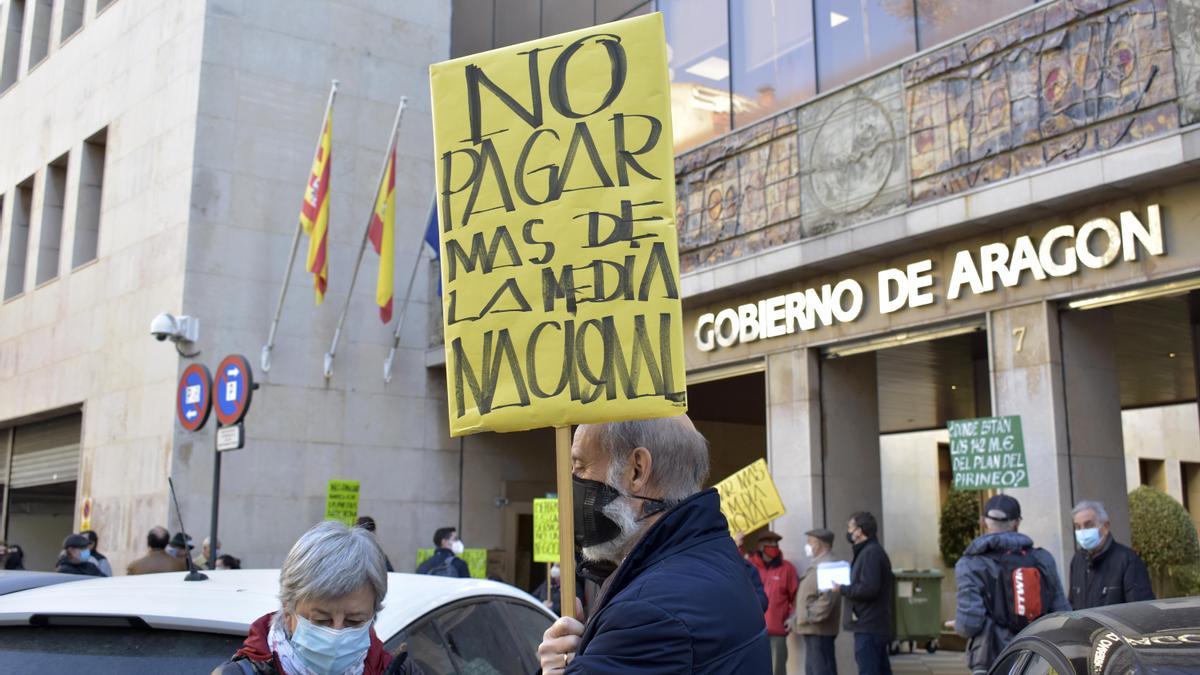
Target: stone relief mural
(1066,80)
(1055,84)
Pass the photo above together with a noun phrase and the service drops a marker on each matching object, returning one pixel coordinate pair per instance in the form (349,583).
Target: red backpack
(1022,591)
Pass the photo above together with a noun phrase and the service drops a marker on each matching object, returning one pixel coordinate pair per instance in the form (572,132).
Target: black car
(1156,637)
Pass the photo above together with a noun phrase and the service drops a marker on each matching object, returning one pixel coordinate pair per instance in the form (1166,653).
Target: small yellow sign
(85,514)
(476,559)
(749,499)
(545,530)
(559,253)
(341,501)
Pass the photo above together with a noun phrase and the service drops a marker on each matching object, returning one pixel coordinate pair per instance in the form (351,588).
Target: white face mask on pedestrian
(457,548)
(808,550)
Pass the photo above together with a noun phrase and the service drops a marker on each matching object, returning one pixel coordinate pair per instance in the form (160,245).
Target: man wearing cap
(818,612)
(982,615)
(780,581)
(75,556)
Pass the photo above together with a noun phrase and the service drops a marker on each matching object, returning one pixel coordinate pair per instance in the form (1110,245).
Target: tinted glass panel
(426,649)
(855,37)
(1008,665)
(479,640)
(1036,665)
(698,58)
(610,10)
(530,624)
(941,20)
(103,650)
(774,64)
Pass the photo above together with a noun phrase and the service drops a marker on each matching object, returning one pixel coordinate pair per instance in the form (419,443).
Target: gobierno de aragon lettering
(637,358)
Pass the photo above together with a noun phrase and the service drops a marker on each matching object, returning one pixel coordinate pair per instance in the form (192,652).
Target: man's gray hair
(678,452)
(1091,505)
(332,561)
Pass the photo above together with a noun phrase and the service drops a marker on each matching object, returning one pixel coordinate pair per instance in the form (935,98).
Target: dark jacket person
(74,559)
(445,561)
(680,599)
(868,611)
(1104,572)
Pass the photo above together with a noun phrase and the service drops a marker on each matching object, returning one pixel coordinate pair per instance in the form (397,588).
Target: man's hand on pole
(560,642)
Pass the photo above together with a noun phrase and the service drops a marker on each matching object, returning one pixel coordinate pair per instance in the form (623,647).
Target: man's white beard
(614,551)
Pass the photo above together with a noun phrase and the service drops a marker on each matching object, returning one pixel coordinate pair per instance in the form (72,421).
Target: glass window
(856,37)
(774,59)
(698,58)
(1036,665)
(530,624)
(479,641)
(611,10)
(425,648)
(1009,665)
(941,20)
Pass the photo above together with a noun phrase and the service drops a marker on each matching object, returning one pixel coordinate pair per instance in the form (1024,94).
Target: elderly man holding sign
(676,597)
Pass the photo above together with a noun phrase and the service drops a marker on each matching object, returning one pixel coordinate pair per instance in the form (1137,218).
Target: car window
(1036,665)
(479,640)
(100,650)
(529,623)
(426,649)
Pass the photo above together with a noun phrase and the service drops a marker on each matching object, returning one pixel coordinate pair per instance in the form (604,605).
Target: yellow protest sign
(545,530)
(559,259)
(749,499)
(341,501)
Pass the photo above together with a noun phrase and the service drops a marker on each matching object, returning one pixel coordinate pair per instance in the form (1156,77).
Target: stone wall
(1062,81)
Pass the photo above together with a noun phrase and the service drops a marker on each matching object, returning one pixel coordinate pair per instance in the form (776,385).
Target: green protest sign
(476,559)
(341,501)
(545,530)
(988,453)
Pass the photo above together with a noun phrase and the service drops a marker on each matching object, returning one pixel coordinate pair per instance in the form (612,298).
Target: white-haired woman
(331,586)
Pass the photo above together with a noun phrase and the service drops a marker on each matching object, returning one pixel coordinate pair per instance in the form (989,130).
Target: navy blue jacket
(682,602)
(444,561)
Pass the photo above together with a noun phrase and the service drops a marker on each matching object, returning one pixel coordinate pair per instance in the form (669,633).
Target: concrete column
(850,412)
(1093,403)
(1027,381)
(794,443)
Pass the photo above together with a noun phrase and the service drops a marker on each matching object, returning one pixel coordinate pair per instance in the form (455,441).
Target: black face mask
(850,537)
(592,526)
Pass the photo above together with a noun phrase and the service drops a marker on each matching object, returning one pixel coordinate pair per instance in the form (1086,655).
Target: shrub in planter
(1164,535)
(959,525)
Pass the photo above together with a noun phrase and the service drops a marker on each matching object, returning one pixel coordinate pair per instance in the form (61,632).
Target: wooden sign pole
(566,520)
(550,583)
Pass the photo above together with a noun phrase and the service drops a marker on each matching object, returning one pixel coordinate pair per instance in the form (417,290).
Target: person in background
(97,558)
(331,588)
(818,613)
(1103,571)
(869,596)
(445,561)
(554,604)
(368,523)
(157,560)
(676,597)
(780,582)
(180,547)
(206,556)
(228,562)
(985,614)
(752,572)
(11,557)
(75,556)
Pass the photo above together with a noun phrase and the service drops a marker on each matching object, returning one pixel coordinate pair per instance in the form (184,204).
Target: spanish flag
(314,215)
(382,235)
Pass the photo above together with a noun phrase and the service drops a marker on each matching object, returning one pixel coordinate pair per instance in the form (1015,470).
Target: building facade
(156,154)
(897,214)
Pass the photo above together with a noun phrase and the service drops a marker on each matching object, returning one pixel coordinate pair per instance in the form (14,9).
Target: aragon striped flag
(314,215)
(382,235)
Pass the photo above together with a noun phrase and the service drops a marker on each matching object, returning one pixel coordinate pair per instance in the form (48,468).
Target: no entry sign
(234,385)
(193,400)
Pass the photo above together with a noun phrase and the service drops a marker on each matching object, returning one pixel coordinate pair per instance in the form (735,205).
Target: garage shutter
(5,435)
(47,452)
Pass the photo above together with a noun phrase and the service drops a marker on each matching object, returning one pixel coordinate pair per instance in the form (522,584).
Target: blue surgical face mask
(1088,538)
(84,555)
(327,650)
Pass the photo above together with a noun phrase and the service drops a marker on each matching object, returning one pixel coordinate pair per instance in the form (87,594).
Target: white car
(159,623)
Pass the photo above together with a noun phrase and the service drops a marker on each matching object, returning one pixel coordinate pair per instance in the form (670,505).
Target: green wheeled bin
(917,609)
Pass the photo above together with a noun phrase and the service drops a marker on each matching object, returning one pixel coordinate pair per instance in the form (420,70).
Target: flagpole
(287,275)
(412,278)
(337,333)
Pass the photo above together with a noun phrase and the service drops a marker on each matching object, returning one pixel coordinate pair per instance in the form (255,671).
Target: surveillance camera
(164,326)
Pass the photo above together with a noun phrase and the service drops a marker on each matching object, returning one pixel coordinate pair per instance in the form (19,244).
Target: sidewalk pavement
(921,663)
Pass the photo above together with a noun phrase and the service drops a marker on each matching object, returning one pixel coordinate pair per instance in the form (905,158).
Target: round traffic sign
(193,400)
(233,387)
